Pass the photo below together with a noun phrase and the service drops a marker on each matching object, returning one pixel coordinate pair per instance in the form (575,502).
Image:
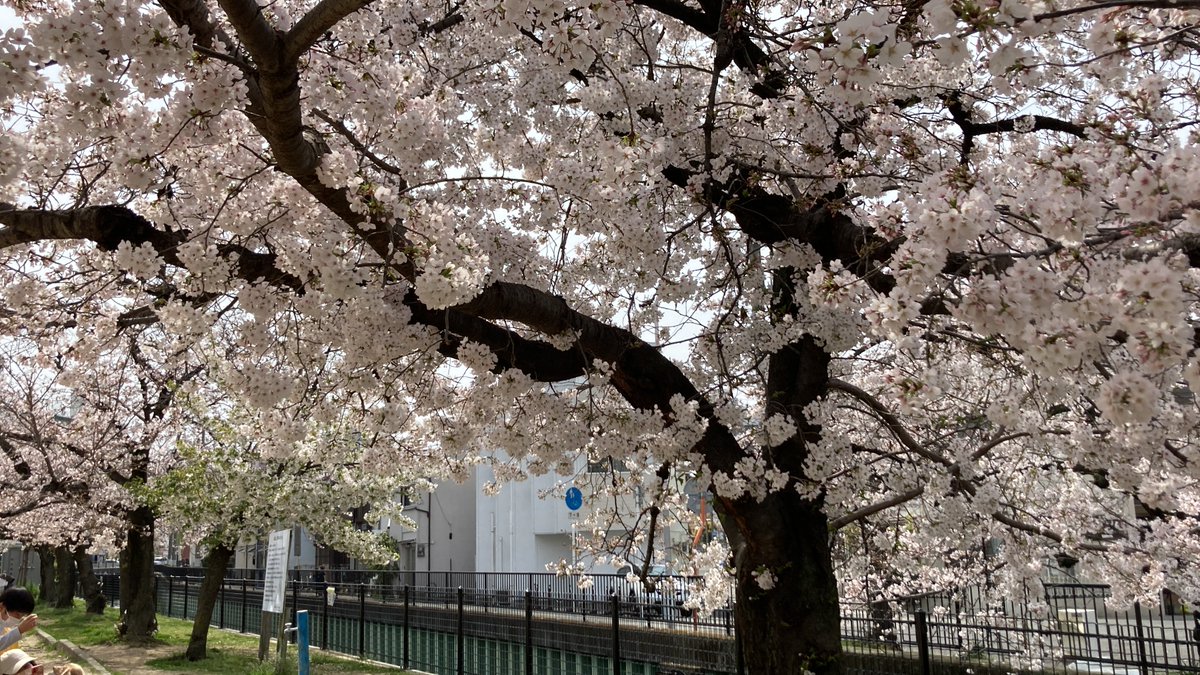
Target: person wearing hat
(17,662)
(16,616)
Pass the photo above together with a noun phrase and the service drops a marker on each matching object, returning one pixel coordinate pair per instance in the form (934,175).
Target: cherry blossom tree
(84,426)
(920,272)
(225,489)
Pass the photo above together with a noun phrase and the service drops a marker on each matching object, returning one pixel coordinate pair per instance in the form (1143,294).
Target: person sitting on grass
(16,616)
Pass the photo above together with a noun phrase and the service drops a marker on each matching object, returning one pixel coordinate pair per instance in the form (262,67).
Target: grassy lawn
(228,652)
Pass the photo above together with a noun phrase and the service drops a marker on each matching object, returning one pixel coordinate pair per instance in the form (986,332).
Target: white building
(459,528)
(525,527)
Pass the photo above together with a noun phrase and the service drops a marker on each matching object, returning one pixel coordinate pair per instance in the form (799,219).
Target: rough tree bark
(65,578)
(23,573)
(787,593)
(138,622)
(798,616)
(216,563)
(89,585)
(46,575)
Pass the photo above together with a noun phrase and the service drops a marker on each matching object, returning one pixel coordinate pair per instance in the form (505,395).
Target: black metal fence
(1069,629)
(495,623)
(490,628)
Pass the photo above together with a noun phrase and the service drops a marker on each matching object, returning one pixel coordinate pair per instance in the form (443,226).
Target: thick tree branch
(316,22)
(257,35)
(1028,123)
(194,14)
(770,218)
(108,226)
(18,462)
(871,509)
(280,119)
(741,48)
(452,19)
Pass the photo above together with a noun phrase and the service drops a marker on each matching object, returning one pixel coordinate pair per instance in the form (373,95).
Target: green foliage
(224,488)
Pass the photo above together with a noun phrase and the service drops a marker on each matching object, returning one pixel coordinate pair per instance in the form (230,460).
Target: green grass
(78,627)
(228,652)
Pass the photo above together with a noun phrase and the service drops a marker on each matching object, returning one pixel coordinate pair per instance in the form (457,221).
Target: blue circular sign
(574,498)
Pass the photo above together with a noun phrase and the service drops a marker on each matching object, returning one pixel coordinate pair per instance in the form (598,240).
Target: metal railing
(542,619)
(478,631)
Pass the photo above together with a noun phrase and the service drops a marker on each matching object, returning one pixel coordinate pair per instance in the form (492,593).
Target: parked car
(663,600)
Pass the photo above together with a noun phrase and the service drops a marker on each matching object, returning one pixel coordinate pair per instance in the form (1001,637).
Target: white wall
(520,532)
(446,530)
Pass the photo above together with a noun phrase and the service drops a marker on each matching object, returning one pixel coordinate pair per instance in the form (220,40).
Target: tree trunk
(138,622)
(788,618)
(793,626)
(89,585)
(65,578)
(46,575)
(23,573)
(216,563)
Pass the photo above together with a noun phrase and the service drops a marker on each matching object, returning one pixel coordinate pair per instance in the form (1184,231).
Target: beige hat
(13,660)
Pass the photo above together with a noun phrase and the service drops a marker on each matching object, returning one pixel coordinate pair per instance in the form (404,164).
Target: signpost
(302,640)
(574,498)
(574,501)
(274,587)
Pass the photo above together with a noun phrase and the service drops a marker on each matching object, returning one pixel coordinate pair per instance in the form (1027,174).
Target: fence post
(295,598)
(923,643)
(957,623)
(405,638)
(528,632)
(616,634)
(461,638)
(222,621)
(738,657)
(186,593)
(362,620)
(170,596)
(325,622)
(243,626)
(1143,663)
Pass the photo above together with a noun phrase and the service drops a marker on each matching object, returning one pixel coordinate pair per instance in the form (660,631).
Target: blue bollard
(302,640)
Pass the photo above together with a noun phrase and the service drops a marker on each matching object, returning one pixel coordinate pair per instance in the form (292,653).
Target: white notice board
(275,585)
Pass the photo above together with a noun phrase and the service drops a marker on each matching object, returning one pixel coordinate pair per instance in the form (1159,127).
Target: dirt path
(41,651)
(125,660)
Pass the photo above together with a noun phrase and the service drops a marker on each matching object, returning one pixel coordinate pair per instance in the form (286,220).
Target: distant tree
(225,489)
